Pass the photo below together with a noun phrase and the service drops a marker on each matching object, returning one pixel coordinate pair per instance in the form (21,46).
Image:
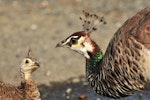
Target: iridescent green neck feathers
(95,59)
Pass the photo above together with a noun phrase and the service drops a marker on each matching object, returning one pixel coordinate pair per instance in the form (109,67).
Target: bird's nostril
(63,41)
(37,64)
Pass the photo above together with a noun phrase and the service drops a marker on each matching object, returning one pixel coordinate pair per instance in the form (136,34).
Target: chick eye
(74,41)
(27,61)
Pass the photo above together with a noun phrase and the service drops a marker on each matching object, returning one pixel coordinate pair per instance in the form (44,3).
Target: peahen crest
(91,21)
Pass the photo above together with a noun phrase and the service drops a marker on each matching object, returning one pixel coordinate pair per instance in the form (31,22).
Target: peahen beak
(61,44)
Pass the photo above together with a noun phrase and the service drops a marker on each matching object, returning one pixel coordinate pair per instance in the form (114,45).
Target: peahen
(125,66)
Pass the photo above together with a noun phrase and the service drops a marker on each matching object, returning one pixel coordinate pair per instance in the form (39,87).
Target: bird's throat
(95,59)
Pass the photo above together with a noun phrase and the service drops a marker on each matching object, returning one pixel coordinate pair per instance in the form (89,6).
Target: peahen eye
(74,41)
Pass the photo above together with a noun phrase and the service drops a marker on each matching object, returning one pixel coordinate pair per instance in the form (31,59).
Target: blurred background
(40,25)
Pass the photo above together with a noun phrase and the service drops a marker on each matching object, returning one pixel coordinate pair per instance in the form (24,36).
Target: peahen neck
(96,57)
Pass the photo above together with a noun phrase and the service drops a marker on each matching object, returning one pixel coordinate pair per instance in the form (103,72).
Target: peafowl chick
(28,89)
(125,66)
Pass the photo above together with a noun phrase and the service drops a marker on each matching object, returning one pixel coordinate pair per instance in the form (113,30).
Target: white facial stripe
(68,40)
(74,36)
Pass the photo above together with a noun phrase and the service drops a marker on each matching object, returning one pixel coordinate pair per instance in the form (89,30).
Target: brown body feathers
(125,66)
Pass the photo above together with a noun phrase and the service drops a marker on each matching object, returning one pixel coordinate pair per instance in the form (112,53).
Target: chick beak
(36,65)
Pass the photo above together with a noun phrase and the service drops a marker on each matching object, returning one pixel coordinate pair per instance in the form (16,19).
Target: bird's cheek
(77,46)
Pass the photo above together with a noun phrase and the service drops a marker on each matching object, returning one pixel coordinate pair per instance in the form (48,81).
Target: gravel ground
(40,24)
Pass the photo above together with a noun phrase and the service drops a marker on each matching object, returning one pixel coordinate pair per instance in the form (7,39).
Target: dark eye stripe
(74,41)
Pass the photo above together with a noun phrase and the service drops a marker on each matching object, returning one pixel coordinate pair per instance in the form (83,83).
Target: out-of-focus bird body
(28,89)
(7,91)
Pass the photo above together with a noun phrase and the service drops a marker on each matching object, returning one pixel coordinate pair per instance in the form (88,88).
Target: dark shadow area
(71,89)
(76,88)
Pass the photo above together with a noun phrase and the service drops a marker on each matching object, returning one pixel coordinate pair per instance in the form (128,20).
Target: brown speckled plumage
(125,57)
(28,89)
(125,66)
(10,92)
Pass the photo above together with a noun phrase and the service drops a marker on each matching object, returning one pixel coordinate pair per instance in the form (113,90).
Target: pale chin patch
(88,47)
(87,55)
(83,52)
